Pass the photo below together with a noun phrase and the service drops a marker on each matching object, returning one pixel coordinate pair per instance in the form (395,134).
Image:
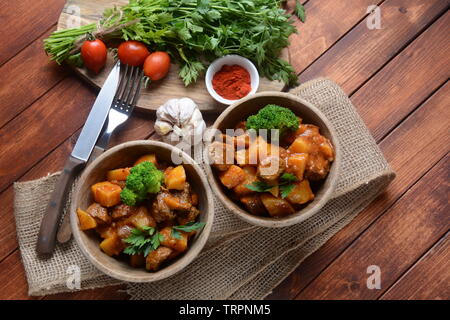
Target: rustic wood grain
(393,243)
(406,80)
(160,91)
(13,280)
(362,52)
(326,22)
(25,78)
(433,268)
(411,153)
(24,21)
(55,116)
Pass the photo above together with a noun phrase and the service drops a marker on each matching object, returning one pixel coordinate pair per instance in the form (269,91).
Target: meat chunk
(156,257)
(189,216)
(180,200)
(160,211)
(99,213)
(122,211)
(254,204)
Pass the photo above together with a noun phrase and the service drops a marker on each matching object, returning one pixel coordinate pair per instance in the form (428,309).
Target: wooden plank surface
(396,76)
(24,21)
(432,268)
(393,243)
(362,52)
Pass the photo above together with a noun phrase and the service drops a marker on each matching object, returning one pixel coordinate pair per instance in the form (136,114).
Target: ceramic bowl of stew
(314,185)
(122,156)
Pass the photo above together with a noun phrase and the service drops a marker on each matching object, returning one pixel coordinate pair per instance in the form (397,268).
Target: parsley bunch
(195,32)
(286,185)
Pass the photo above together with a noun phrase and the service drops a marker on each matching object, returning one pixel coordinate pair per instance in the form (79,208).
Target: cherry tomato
(93,53)
(133,53)
(157,65)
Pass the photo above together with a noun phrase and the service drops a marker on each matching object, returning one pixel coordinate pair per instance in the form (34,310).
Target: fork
(123,104)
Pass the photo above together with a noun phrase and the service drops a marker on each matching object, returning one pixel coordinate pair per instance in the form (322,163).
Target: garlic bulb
(180,120)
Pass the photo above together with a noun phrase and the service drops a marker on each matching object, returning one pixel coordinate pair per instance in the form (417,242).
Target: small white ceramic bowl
(231,60)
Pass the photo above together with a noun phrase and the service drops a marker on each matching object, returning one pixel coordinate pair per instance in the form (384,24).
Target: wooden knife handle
(65,232)
(49,225)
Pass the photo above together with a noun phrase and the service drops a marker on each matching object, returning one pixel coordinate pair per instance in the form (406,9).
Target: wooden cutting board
(88,11)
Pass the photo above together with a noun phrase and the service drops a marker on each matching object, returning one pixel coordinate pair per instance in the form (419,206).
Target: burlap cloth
(240,261)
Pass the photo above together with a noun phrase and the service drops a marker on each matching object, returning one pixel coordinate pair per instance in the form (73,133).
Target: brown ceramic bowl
(121,156)
(311,115)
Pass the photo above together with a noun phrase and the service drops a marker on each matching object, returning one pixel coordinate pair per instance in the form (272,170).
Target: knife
(77,159)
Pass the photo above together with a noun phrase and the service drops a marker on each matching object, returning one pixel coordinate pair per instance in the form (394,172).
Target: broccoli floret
(274,117)
(143,179)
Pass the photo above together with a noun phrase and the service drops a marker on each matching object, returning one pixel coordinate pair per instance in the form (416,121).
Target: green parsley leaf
(259,186)
(300,11)
(286,189)
(288,177)
(190,226)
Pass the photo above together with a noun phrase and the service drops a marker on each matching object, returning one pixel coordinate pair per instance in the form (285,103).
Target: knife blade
(77,159)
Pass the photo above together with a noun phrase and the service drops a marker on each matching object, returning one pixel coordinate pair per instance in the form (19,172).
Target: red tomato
(157,65)
(93,53)
(133,53)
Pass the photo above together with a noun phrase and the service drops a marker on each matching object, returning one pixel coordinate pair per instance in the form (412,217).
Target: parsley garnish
(286,185)
(188,227)
(145,240)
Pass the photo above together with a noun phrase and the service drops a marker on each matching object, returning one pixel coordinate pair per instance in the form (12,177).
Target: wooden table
(396,76)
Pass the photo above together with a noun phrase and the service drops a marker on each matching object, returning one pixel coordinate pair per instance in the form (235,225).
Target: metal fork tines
(124,102)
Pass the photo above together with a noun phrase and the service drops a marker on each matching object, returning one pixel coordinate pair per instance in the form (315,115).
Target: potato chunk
(176,203)
(250,177)
(296,164)
(275,206)
(86,221)
(106,193)
(117,174)
(148,157)
(302,145)
(242,157)
(232,177)
(99,213)
(301,193)
(112,246)
(172,242)
(156,257)
(175,178)
(260,149)
(221,155)
(141,218)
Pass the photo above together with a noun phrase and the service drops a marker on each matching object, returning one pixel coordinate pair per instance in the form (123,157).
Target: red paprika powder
(232,82)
